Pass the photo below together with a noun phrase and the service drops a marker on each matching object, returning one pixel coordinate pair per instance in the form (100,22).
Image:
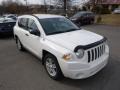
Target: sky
(42,1)
(29,1)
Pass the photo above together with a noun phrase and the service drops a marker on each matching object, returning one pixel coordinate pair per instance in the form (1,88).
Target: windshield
(118,9)
(78,14)
(57,25)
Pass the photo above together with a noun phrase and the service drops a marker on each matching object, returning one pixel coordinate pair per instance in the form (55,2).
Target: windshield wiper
(56,32)
(73,29)
(69,30)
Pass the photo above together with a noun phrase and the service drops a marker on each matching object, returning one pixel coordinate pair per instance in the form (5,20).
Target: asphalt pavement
(23,71)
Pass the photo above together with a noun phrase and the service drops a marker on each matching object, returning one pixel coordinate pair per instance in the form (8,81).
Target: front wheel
(52,67)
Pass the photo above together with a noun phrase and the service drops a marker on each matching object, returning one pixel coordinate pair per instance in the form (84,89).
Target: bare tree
(97,3)
(12,6)
(65,4)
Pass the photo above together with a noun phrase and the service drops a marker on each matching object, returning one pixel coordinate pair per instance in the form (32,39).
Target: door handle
(26,34)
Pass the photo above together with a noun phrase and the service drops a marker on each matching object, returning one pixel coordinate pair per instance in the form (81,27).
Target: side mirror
(35,32)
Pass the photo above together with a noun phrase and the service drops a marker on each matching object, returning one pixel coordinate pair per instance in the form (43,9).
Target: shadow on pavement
(6,37)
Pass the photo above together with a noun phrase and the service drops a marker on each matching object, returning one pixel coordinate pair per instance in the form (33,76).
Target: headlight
(80,53)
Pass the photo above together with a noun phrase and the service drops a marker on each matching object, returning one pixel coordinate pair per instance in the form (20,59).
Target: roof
(85,12)
(41,16)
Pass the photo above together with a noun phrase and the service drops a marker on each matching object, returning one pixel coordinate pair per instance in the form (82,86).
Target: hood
(70,40)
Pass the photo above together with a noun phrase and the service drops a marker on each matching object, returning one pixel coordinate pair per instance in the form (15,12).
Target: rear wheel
(52,67)
(92,22)
(19,44)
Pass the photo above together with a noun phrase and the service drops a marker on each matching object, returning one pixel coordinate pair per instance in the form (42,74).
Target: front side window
(57,25)
(32,28)
(32,25)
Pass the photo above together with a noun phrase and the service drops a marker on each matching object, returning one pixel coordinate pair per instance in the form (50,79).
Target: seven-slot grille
(96,52)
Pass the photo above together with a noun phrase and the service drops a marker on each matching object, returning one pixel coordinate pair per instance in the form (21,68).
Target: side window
(23,23)
(13,17)
(32,25)
(10,16)
(84,15)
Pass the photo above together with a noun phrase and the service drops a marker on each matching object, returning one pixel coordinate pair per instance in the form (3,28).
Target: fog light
(79,75)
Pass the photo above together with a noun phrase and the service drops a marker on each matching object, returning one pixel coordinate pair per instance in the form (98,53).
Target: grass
(110,19)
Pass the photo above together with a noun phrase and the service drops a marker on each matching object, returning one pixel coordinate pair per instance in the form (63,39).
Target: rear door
(23,31)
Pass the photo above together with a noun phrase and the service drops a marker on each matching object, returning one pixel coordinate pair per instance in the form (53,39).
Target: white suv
(65,49)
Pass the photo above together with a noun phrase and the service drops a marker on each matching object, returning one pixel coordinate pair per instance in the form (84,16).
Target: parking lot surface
(23,71)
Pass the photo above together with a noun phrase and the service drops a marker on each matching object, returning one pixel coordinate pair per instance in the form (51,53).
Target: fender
(54,49)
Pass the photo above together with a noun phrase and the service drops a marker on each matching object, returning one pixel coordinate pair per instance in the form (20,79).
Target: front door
(34,38)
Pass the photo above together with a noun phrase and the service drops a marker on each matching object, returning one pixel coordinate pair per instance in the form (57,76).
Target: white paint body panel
(72,39)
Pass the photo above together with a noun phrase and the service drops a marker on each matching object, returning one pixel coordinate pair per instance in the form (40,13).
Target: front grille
(95,53)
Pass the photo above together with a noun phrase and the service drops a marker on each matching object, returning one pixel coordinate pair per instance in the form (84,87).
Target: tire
(52,67)
(92,22)
(19,45)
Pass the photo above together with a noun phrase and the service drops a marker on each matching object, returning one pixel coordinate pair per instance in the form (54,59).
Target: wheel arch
(60,72)
(15,37)
(44,52)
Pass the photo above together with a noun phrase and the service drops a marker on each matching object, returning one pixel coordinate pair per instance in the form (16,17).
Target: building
(110,4)
(103,6)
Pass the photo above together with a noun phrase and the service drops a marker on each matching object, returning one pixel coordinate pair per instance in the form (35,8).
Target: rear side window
(22,22)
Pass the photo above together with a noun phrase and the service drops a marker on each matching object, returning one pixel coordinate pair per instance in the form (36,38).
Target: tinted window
(23,23)
(10,16)
(83,14)
(57,25)
(117,9)
(32,25)
(13,17)
(90,14)
(78,14)
(8,20)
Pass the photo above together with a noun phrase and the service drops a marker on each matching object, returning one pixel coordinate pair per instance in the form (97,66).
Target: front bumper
(77,70)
